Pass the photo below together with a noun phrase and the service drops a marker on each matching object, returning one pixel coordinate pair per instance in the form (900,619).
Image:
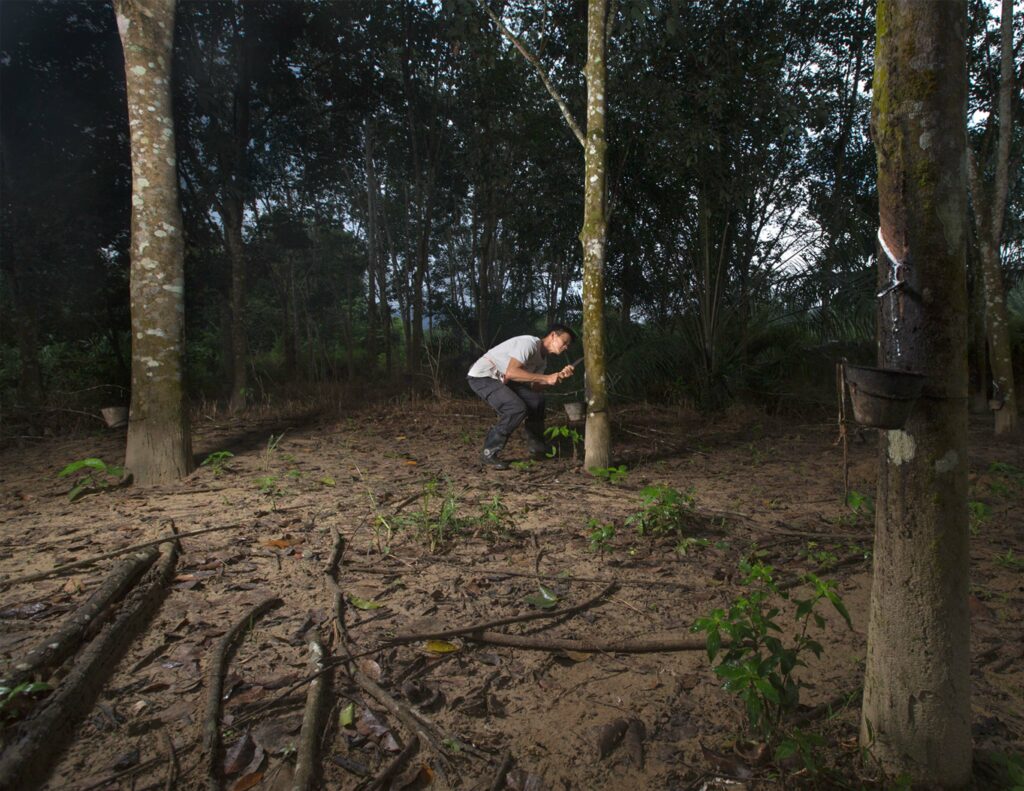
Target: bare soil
(385,478)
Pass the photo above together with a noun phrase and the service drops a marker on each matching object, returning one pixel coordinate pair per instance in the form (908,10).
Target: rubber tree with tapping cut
(159,446)
(916,713)
(594,238)
(989,203)
(594,234)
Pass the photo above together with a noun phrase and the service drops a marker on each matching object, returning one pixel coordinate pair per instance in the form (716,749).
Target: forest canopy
(401,191)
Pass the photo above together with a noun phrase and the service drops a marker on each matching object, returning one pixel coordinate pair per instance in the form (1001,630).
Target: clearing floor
(434,542)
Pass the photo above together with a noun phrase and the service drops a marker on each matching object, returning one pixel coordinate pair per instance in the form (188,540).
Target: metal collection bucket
(575,411)
(882,397)
(115,416)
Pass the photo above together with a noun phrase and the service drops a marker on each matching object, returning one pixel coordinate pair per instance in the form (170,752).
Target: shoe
(538,453)
(491,459)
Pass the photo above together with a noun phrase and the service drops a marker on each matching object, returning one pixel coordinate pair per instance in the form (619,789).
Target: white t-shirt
(526,348)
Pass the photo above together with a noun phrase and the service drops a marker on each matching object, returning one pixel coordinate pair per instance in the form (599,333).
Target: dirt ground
(434,542)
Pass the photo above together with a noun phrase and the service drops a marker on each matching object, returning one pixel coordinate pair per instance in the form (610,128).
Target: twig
(113,778)
(215,688)
(631,646)
(499,778)
(172,763)
(395,766)
(312,723)
(52,651)
(411,637)
(395,708)
(57,571)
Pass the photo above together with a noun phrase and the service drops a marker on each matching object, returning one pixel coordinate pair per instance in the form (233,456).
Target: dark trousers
(515,403)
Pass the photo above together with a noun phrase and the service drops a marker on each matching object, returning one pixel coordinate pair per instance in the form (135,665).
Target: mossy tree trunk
(594,237)
(159,448)
(989,211)
(916,713)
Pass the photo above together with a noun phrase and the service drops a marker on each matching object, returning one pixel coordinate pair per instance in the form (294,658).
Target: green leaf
(347,718)
(840,607)
(545,599)
(77,491)
(364,604)
(75,466)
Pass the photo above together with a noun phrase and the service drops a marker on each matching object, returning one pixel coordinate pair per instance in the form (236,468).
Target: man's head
(558,338)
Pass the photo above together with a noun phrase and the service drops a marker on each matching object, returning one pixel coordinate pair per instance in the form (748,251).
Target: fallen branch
(52,651)
(32,753)
(58,571)
(502,774)
(173,769)
(385,775)
(215,687)
(412,637)
(396,709)
(633,646)
(312,724)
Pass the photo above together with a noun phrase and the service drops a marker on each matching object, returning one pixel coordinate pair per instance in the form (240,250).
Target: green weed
(664,511)
(601,535)
(978,514)
(753,661)
(90,475)
(218,462)
(1010,561)
(16,701)
(610,474)
(553,433)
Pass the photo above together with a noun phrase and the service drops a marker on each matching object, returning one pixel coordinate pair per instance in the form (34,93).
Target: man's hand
(565,373)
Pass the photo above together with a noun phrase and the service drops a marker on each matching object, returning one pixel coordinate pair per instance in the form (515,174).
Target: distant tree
(989,203)
(916,715)
(159,445)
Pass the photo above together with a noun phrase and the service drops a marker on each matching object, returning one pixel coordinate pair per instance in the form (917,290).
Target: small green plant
(753,661)
(664,510)
(689,544)
(610,474)
(437,529)
(273,442)
(90,475)
(267,485)
(861,505)
(1010,561)
(978,514)
(601,535)
(554,433)
(1014,475)
(521,466)
(496,519)
(218,462)
(821,557)
(16,701)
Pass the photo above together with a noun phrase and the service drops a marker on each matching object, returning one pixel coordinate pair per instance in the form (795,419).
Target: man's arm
(517,373)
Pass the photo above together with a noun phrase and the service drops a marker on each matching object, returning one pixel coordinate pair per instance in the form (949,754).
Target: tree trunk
(371,245)
(232,216)
(978,341)
(594,237)
(916,715)
(989,210)
(159,448)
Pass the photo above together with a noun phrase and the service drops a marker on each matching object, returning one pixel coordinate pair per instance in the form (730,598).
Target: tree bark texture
(159,448)
(989,211)
(593,237)
(916,713)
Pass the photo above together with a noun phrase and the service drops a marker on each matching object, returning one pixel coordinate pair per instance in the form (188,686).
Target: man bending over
(510,377)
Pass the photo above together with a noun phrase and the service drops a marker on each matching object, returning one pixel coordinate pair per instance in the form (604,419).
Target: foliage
(665,510)
(601,535)
(978,514)
(754,662)
(16,701)
(555,433)
(90,475)
(610,474)
(218,462)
